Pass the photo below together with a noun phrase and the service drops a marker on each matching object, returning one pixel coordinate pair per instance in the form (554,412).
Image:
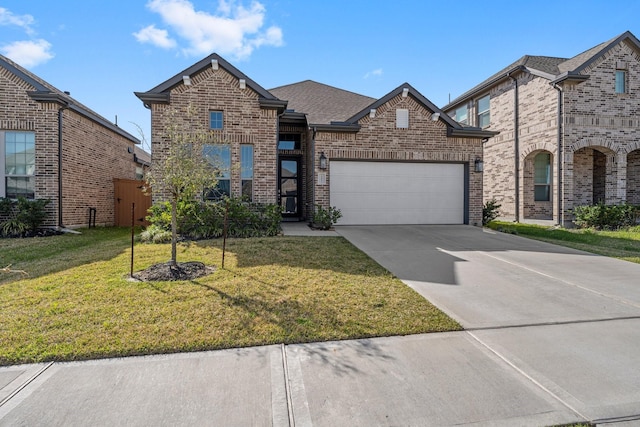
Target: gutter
(516,145)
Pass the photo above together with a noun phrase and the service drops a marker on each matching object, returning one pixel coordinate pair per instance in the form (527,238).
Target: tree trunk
(174,230)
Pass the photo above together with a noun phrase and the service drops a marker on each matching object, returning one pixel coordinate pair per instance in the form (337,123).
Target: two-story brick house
(53,147)
(569,132)
(394,160)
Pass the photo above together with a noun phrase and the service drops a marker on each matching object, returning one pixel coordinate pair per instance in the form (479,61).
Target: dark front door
(289,188)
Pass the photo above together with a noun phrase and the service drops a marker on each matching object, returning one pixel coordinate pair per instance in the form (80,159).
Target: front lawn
(622,244)
(77,302)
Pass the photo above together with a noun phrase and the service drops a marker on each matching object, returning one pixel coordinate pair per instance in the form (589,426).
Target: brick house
(40,124)
(569,132)
(394,160)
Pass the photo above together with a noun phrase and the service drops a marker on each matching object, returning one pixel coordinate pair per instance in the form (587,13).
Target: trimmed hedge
(205,220)
(606,217)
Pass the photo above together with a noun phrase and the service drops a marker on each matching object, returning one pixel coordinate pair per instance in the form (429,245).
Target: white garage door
(397,193)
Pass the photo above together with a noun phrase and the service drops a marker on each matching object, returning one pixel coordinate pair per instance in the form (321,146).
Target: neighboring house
(394,160)
(40,125)
(569,131)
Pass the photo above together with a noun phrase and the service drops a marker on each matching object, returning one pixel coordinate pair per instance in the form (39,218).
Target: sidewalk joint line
(26,383)
(528,377)
(558,323)
(287,386)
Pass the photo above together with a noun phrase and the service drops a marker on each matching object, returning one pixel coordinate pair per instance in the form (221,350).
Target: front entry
(289,186)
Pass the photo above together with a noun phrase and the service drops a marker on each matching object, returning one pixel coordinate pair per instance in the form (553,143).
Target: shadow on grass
(40,256)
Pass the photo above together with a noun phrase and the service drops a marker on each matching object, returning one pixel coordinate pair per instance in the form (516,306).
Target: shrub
(205,220)
(325,218)
(155,234)
(23,217)
(606,217)
(490,211)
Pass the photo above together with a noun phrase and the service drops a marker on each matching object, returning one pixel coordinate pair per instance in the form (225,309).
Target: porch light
(478,165)
(323,161)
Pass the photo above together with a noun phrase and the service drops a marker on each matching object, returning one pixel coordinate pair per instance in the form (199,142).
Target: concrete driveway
(567,320)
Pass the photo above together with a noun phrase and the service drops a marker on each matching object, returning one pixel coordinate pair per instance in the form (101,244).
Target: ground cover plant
(623,244)
(77,302)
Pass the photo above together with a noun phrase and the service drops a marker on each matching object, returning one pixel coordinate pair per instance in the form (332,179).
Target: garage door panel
(397,193)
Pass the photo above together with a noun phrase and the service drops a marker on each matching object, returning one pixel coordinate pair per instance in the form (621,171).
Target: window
(289,141)
(220,158)
(139,173)
(215,120)
(484,116)
(462,116)
(402,118)
(542,177)
(246,171)
(19,165)
(621,80)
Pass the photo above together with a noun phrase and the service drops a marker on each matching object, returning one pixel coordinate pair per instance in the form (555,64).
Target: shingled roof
(44,91)
(551,68)
(321,103)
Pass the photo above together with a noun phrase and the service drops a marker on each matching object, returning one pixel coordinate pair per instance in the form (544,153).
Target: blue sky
(103,51)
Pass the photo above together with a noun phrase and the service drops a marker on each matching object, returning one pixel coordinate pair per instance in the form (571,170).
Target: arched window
(542,177)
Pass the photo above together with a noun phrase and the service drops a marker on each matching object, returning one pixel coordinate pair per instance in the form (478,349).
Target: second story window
(484,113)
(462,115)
(215,120)
(621,81)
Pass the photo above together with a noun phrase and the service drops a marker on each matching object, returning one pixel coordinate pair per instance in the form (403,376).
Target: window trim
(548,181)
(224,175)
(466,115)
(484,113)
(217,121)
(246,171)
(622,81)
(3,158)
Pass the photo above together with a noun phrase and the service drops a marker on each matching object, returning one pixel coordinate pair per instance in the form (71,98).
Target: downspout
(560,211)
(60,115)
(516,146)
(313,174)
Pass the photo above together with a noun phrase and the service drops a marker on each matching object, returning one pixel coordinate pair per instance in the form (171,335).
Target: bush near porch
(606,217)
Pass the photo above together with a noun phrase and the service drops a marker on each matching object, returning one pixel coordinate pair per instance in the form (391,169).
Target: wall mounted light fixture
(323,161)
(478,165)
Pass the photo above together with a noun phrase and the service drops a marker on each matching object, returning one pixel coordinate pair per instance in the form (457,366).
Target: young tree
(182,171)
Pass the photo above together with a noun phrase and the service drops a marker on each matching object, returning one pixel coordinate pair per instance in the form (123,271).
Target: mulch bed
(168,271)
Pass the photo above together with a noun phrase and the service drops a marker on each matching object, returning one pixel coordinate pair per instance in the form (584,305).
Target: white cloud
(155,36)
(28,53)
(23,21)
(375,73)
(233,30)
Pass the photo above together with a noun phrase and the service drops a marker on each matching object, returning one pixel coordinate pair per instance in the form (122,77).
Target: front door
(289,188)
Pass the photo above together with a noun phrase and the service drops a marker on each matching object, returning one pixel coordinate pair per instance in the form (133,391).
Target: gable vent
(402,118)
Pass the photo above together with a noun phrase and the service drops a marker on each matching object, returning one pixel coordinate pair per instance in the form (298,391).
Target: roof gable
(581,61)
(321,103)
(45,92)
(161,93)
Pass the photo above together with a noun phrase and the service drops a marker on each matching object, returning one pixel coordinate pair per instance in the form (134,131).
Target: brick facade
(599,131)
(93,154)
(255,116)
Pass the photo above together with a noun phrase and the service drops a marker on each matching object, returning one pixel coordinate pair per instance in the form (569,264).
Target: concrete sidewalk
(436,379)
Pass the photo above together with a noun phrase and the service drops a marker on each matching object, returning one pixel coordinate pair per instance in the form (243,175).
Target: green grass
(77,302)
(622,244)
